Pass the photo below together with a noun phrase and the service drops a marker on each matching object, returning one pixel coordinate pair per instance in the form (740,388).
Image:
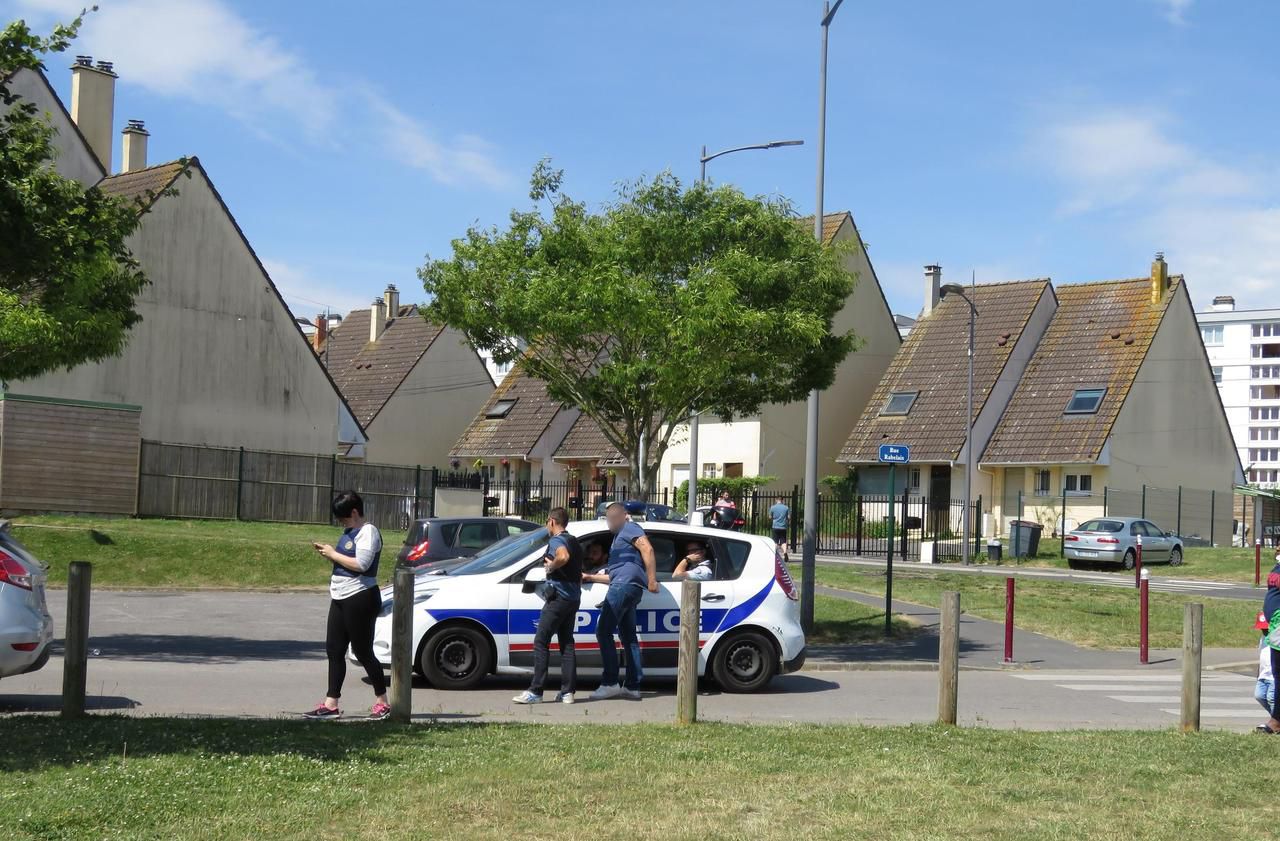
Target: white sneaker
(527,697)
(604,693)
(633,694)
(564,697)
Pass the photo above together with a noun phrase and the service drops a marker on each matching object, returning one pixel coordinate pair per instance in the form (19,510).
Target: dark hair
(347,502)
(612,505)
(559,516)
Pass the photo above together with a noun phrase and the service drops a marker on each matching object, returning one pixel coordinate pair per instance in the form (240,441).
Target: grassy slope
(1099,617)
(178,779)
(1216,564)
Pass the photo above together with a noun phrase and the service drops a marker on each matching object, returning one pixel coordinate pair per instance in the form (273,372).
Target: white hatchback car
(480,619)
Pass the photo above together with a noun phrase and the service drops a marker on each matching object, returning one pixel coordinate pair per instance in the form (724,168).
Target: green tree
(67,280)
(661,301)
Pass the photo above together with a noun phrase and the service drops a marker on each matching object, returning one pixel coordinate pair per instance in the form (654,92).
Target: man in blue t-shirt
(781,516)
(631,569)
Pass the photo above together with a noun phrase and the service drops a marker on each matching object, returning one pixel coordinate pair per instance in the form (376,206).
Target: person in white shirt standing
(354,604)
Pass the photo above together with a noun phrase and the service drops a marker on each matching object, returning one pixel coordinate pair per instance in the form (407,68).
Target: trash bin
(994,550)
(1024,538)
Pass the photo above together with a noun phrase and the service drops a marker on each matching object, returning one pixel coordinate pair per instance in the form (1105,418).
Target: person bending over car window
(632,568)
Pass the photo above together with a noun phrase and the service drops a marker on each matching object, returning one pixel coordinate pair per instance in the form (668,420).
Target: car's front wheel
(456,657)
(1129,559)
(1175,557)
(746,662)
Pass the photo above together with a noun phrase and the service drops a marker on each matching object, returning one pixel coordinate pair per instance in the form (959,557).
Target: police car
(480,618)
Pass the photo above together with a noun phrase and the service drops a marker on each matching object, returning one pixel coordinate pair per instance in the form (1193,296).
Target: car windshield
(1103,525)
(503,553)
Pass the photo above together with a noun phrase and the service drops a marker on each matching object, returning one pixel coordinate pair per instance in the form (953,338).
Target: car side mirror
(532,578)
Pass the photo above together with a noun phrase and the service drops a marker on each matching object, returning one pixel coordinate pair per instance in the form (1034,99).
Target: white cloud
(305,294)
(202,51)
(1175,11)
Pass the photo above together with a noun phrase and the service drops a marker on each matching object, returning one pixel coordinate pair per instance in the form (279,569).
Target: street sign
(895,453)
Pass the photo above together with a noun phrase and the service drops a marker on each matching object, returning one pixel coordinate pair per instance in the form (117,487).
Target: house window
(1269,454)
(1264,413)
(500,409)
(1269,328)
(1264,433)
(1211,334)
(709,470)
(1265,372)
(1085,401)
(1264,392)
(1042,483)
(899,402)
(1217,375)
(1078,484)
(913,481)
(1264,476)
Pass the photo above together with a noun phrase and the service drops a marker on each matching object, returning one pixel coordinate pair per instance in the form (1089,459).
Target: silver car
(1115,540)
(26,628)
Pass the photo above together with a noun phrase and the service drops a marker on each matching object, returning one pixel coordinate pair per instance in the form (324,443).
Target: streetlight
(693,416)
(809,558)
(958,290)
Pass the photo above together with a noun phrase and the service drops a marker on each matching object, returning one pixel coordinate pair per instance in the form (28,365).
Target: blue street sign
(895,453)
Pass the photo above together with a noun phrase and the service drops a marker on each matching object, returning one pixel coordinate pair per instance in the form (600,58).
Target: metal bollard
(1143,649)
(1257,563)
(75,656)
(402,645)
(687,663)
(1137,565)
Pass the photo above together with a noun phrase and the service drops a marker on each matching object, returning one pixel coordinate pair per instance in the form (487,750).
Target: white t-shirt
(364,547)
(702,572)
(1264,660)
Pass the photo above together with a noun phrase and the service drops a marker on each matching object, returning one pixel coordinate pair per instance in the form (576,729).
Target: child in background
(1265,690)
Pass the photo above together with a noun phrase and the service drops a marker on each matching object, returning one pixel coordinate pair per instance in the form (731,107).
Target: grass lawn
(1098,617)
(839,621)
(140,779)
(1223,563)
(186,553)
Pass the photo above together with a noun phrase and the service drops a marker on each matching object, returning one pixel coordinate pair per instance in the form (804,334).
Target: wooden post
(949,658)
(1192,642)
(687,664)
(75,657)
(402,645)
(1008,619)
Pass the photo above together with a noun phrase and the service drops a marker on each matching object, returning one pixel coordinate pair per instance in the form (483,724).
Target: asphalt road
(261,655)
(1159,583)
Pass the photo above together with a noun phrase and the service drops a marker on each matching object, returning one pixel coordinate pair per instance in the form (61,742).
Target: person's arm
(682,568)
(364,553)
(595,578)
(650,562)
(559,559)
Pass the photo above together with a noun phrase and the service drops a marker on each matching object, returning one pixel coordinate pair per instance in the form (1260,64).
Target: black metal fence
(222,483)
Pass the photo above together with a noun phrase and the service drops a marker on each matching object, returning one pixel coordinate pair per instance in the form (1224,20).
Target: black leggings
(351,623)
(1275,673)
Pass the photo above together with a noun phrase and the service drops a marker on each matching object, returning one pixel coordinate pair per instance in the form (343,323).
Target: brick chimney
(377,319)
(392,299)
(93,102)
(932,283)
(1224,303)
(134,155)
(1159,277)
(321,334)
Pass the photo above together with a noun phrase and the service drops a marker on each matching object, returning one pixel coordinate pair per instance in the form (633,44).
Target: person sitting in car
(695,565)
(596,555)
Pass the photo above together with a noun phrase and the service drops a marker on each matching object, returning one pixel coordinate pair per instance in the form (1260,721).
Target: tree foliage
(663,301)
(67,279)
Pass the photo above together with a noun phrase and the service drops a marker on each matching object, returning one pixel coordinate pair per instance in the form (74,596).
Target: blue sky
(1011,139)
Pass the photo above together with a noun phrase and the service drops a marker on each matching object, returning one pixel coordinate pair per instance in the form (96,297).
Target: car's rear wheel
(1130,559)
(746,662)
(456,657)
(1175,557)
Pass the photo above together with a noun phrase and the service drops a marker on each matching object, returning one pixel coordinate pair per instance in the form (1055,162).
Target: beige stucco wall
(432,407)
(217,358)
(718,444)
(74,158)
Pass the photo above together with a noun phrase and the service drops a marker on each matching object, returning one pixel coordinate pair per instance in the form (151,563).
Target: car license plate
(1087,553)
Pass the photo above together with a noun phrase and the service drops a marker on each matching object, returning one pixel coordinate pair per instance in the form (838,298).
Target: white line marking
(1109,687)
(1221,713)
(1171,699)
(1172,677)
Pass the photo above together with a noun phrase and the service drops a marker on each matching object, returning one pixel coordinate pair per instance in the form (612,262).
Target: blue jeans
(1264,692)
(618,612)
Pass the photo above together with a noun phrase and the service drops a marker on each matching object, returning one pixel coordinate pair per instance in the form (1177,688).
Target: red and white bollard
(1008,619)
(1143,649)
(1257,563)
(1137,565)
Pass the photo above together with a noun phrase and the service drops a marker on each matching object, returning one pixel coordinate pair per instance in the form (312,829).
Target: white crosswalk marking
(1223,695)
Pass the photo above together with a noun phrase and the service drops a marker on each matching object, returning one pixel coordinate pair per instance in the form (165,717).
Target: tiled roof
(932,361)
(143,184)
(585,442)
(516,433)
(368,373)
(1098,338)
(831,223)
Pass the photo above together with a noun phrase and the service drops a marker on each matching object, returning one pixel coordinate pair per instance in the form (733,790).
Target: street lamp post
(958,290)
(693,416)
(810,552)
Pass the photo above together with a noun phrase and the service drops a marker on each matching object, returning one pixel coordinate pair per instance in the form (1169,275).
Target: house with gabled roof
(413,385)
(1077,389)
(772,442)
(217,358)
